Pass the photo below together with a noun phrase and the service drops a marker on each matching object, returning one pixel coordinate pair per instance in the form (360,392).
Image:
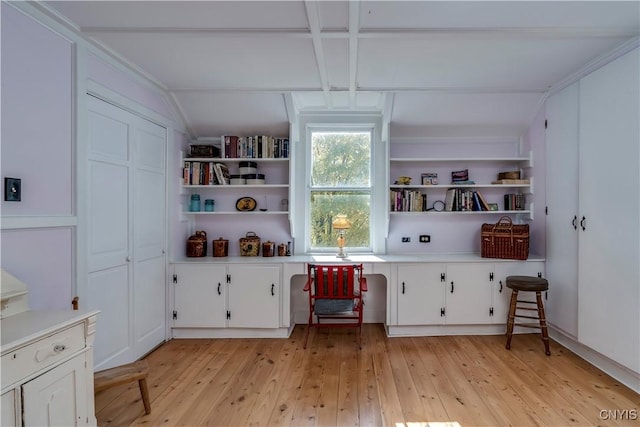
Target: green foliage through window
(340,184)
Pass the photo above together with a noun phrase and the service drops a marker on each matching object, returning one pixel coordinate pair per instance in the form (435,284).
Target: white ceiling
(438,66)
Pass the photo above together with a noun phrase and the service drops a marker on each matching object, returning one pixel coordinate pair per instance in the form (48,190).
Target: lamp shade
(340,222)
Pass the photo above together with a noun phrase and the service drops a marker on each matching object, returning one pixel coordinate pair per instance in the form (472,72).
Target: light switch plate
(12,189)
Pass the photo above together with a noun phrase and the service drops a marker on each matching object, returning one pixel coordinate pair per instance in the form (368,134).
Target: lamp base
(341,255)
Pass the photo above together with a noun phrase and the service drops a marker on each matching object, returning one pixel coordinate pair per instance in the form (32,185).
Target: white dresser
(46,364)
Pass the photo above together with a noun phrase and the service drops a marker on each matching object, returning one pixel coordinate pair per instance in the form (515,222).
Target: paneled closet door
(149,201)
(127,232)
(562,209)
(609,203)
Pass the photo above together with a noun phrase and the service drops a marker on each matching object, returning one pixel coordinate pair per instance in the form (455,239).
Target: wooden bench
(136,371)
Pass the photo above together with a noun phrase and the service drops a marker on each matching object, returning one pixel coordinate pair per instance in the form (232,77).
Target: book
(222,173)
(449,199)
(483,202)
(461,175)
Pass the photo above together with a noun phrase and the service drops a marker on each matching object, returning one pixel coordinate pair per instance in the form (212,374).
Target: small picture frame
(429,178)
(493,206)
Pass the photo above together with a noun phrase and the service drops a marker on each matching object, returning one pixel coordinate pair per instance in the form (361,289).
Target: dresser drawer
(33,357)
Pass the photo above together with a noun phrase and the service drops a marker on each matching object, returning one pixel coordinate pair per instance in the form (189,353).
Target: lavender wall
(37,146)
(37,143)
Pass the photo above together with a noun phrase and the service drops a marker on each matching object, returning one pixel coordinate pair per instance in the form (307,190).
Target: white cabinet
(460,293)
(593,210)
(53,398)
(609,214)
(254,295)
(468,293)
(420,290)
(47,369)
(562,209)
(126,231)
(200,295)
(226,296)
(502,294)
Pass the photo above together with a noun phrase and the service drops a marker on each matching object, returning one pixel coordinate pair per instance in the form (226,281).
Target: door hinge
(175,278)
(228,314)
(228,278)
(442,277)
(491,312)
(442,312)
(491,276)
(175,314)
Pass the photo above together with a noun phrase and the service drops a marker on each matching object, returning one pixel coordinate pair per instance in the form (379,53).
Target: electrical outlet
(425,238)
(406,239)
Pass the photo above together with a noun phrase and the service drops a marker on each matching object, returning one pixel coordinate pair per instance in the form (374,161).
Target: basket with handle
(505,240)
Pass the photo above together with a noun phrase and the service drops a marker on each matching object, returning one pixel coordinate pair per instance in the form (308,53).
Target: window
(340,183)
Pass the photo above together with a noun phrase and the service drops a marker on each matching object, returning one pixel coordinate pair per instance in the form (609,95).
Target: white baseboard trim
(621,373)
(230,333)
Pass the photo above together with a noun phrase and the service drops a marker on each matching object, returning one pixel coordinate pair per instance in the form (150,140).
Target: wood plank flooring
(437,381)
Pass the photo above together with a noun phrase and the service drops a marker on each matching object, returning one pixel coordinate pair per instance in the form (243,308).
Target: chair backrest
(335,281)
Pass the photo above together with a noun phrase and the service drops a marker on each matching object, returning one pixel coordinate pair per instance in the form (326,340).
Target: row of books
(514,202)
(408,201)
(205,173)
(255,147)
(461,199)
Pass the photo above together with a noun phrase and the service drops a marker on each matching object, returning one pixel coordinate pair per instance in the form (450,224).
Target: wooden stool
(527,284)
(136,371)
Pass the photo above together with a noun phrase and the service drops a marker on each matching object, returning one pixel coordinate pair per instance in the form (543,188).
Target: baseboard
(231,333)
(621,373)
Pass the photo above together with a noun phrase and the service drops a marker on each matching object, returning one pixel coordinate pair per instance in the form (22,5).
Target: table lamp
(341,223)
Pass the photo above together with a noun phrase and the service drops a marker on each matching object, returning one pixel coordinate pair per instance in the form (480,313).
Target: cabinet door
(562,208)
(420,294)
(468,293)
(8,409)
(502,294)
(254,296)
(609,247)
(200,296)
(57,397)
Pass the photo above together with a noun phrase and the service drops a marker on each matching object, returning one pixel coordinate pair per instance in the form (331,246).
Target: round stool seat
(527,283)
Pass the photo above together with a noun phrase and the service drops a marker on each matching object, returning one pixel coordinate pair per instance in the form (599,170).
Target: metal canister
(282,249)
(220,247)
(268,249)
(197,244)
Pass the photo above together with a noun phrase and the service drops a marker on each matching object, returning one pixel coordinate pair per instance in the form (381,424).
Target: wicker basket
(504,240)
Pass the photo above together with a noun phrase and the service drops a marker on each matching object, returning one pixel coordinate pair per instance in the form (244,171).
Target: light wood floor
(461,380)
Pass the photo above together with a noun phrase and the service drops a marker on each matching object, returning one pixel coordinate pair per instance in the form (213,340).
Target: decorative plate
(246,204)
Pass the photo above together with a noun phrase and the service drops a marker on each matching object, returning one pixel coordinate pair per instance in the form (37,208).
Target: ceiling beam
(354,28)
(313,16)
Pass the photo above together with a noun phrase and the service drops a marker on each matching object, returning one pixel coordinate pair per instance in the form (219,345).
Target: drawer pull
(59,348)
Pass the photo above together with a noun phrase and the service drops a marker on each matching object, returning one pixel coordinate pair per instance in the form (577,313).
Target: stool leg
(144,391)
(543,323)
(510,320)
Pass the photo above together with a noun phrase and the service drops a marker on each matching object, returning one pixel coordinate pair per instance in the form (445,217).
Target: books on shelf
(462,199)
(222,173)
(514,202)
(408,201)
(201,173)
(511,182)
(255,147)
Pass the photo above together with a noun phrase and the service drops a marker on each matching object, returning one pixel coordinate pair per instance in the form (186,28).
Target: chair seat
(527,283)
(333,306)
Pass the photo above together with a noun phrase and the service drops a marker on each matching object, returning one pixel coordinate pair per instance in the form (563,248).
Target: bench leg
(144,391)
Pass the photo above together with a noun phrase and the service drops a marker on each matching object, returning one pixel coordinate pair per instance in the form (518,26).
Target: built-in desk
(412,294)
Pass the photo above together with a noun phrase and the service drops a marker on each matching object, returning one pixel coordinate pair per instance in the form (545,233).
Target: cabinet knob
(451,287)
(219,293)
(575,222)
(58,348)
(273,287)
(583,223)
(128,259)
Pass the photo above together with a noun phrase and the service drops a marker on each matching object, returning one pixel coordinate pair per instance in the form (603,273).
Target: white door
(562,209)
(420,294)
(609,203)
(126,223)
(254,295)
(56,398)
(200,296)
(149,223)
(468,293)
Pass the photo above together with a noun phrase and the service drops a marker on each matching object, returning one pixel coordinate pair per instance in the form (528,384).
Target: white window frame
(301,180)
